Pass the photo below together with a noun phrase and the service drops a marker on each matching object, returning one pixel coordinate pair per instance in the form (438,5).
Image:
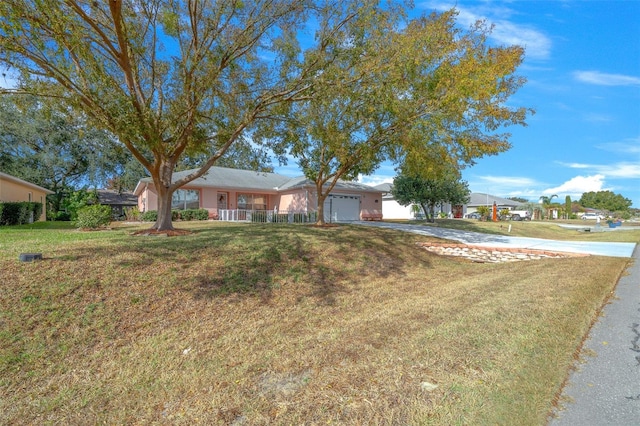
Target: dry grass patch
(287,325)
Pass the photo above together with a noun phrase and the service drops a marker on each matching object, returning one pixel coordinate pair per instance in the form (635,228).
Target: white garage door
(340,208)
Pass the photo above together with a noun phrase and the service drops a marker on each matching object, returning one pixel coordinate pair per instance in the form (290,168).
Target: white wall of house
(392,210)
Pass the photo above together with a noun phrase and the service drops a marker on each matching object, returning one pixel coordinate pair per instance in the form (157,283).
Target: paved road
(605,388)
(477,238)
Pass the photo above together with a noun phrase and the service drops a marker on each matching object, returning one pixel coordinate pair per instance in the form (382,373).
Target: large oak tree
(421,93)
(170,78)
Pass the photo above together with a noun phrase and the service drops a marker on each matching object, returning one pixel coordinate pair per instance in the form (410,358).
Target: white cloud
(598,118)
(506,186)
(375,179)
(604,79)
(626,146)
(578,185)
(508,181)
(621,170)
(537,45)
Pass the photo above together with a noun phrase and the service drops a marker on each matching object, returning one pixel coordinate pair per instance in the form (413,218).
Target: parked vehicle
(592,216)
(474,215)
(520,215)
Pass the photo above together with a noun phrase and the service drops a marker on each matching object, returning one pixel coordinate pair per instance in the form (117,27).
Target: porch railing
(266,216)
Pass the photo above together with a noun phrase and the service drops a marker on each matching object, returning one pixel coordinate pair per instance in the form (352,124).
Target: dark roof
(110,197)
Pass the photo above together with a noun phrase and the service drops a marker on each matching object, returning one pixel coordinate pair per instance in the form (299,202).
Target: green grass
(276,324)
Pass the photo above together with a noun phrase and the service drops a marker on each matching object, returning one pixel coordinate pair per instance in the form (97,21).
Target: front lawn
(275,324)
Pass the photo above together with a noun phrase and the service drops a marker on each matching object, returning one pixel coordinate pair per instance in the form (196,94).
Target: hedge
(191,214)
(19,213)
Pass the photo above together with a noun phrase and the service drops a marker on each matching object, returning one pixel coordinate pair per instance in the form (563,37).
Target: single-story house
(477,199)
(118,201)
(392,210)
(13,189)
(228,194)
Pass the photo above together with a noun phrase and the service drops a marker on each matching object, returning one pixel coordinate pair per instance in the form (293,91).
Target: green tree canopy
(170,78)
(605,200)
(420,93)
(430,192)
(46,143)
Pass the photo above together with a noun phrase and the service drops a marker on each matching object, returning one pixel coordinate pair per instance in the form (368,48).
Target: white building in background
(392,210)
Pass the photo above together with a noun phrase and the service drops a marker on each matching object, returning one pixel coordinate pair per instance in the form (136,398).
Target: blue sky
(583,69)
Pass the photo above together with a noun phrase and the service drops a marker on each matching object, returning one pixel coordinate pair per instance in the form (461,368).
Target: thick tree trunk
(320,219)
(164,221)
(165,195)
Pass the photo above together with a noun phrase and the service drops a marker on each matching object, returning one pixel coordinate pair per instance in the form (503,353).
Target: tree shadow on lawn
(254,260)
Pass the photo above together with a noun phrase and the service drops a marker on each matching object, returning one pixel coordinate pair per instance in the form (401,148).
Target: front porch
(266,216)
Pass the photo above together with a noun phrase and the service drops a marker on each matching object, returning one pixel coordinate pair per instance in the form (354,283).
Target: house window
(252,202)
(184,199)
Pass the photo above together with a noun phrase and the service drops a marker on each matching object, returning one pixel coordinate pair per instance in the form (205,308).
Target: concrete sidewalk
(605,388)
(489,240)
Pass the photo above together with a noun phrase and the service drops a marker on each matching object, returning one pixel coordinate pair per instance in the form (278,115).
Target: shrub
(149,216)
(19,213)
(190,214)
(36,208)
(201,214)
(132,213)
(61,216)
(93,217)
(194,214)
(76,200)
(483,211)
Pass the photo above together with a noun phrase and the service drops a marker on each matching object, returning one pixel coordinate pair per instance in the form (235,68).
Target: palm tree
(546,202)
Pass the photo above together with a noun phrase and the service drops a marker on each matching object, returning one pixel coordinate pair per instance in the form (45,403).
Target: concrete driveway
(488,240)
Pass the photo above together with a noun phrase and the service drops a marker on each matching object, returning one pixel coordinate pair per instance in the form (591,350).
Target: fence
(266,216)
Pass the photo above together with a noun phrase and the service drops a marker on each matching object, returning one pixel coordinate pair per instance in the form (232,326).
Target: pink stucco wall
(300,200)
(371,205)
(148,199)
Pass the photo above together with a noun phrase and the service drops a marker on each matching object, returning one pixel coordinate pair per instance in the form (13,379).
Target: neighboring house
(228,194)
(13,189)
(391,209)
(477,199)
(118,201)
